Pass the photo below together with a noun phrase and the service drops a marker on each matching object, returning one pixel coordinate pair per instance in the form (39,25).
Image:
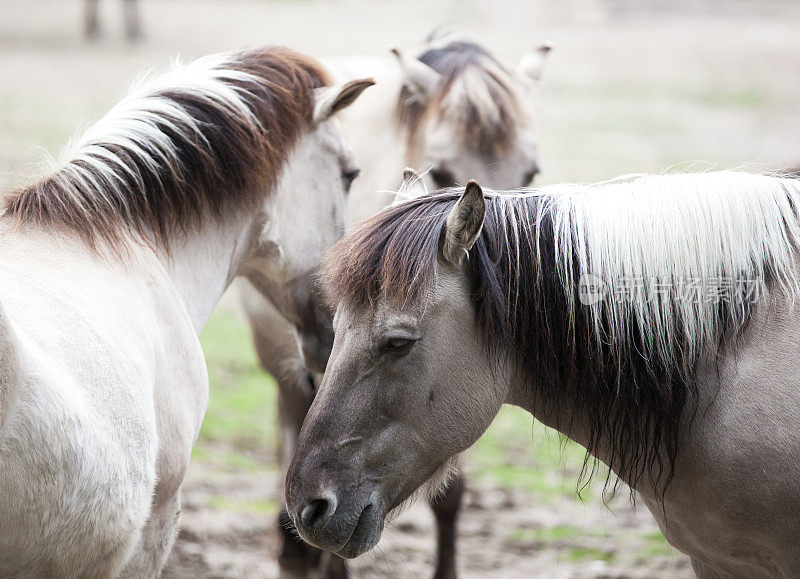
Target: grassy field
(242,412)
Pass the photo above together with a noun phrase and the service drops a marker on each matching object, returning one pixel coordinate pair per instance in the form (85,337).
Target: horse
(112,264)
(452,108)
(651,319)
(91,21)
(427,110)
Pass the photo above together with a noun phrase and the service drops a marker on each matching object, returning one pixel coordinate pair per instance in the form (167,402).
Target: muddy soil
(502,533)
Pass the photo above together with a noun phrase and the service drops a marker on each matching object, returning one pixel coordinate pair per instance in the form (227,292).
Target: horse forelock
(626,362)
(477,94)
(203,140)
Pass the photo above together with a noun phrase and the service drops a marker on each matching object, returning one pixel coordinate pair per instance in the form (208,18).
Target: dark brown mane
(209,139)
(459,62)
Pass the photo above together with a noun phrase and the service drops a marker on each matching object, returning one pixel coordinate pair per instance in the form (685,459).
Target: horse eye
(349,176)
(397,345)
(443,178)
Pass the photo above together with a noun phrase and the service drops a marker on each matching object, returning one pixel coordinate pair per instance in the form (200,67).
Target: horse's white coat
(103,385)
(371,129)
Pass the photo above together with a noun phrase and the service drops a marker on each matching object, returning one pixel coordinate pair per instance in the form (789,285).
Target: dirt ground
(632,86)
(503,533)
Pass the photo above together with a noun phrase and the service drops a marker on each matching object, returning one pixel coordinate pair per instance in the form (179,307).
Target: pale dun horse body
(112,264)
(675,364)
(454,109)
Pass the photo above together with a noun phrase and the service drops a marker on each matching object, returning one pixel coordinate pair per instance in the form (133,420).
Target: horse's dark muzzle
(347,525)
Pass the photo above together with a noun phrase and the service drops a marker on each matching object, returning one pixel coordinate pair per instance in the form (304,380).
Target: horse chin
(431,488)
(366,533)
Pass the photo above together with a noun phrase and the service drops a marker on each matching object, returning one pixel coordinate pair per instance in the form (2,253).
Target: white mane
(161,158)
(135,123)
(670,249)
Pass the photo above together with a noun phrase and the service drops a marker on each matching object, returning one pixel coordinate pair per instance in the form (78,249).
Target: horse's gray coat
(416,374)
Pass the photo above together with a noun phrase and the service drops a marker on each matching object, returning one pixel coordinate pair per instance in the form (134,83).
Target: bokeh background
(632,86)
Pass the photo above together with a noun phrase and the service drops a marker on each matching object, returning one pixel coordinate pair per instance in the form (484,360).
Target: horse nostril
(318,512)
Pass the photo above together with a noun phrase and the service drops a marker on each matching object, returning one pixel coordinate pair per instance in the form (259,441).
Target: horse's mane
(626,361)
(205,139)
(476,92)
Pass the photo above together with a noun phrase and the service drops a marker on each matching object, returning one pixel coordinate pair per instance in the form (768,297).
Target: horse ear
(464,224)
(412,187)
(532,64)
(420,78)
(330,100)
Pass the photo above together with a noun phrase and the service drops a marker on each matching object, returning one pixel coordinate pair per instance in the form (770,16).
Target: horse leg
(296,390)
(445,508)
(157,539)
(133,27)
(91,22)
(294,400)
(332,566)
(295,559)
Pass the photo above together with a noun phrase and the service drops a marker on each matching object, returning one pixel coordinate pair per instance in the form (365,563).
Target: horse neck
(553,396)
(559,414)
(570,387)
(202,264)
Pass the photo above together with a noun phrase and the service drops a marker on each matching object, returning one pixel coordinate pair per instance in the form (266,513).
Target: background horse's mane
(627,361)
(205,139)
(476,92)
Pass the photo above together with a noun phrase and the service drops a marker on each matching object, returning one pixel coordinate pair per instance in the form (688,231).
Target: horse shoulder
(731,504)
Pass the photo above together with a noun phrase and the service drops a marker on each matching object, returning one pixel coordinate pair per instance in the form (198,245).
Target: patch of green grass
(556,534)
(251,506)
(545,534)
(738,97)
(242,405)
(655,545)
(519,453)
(710,94)
(587,553)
